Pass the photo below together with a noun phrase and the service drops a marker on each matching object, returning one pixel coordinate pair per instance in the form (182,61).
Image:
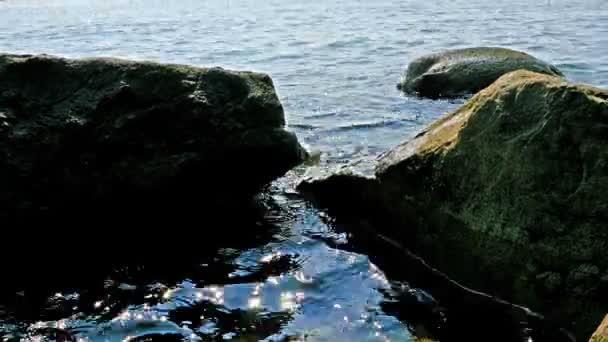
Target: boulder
(461,72)
(107,134)
(506,194)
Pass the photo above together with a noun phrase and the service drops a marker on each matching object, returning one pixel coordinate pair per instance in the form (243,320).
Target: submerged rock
(115,134)
(507,194)
(460,72)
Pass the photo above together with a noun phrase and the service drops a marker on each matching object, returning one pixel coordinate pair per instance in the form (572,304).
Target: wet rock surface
(505,194)
(109,135)
(461,72)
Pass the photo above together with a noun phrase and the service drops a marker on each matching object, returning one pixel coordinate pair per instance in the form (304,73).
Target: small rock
(465,71)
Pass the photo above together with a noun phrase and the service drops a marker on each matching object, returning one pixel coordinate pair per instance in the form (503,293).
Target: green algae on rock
(460,72)
(79,133)
(506,194)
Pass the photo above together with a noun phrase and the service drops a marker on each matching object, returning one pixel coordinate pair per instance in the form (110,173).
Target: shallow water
(335,65)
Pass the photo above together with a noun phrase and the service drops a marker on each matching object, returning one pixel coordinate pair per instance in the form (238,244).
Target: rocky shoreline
(505,195)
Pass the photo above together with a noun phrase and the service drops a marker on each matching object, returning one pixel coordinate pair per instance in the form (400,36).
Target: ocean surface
(335,64)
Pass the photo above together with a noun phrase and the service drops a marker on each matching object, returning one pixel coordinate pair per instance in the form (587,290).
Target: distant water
(335,65)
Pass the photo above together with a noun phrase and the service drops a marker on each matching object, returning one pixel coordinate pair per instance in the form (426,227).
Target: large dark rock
(109,134)
(461,72)
(506,194)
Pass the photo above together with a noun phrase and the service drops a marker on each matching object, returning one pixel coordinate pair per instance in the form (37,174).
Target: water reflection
(279,286)
(306,281)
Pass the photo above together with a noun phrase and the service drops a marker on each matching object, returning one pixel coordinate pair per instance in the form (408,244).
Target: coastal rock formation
(460,72)
(506,194)
(112,134)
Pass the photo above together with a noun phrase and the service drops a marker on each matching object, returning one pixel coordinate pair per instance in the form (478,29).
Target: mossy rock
(601,334)
(507,194)
(461,72)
